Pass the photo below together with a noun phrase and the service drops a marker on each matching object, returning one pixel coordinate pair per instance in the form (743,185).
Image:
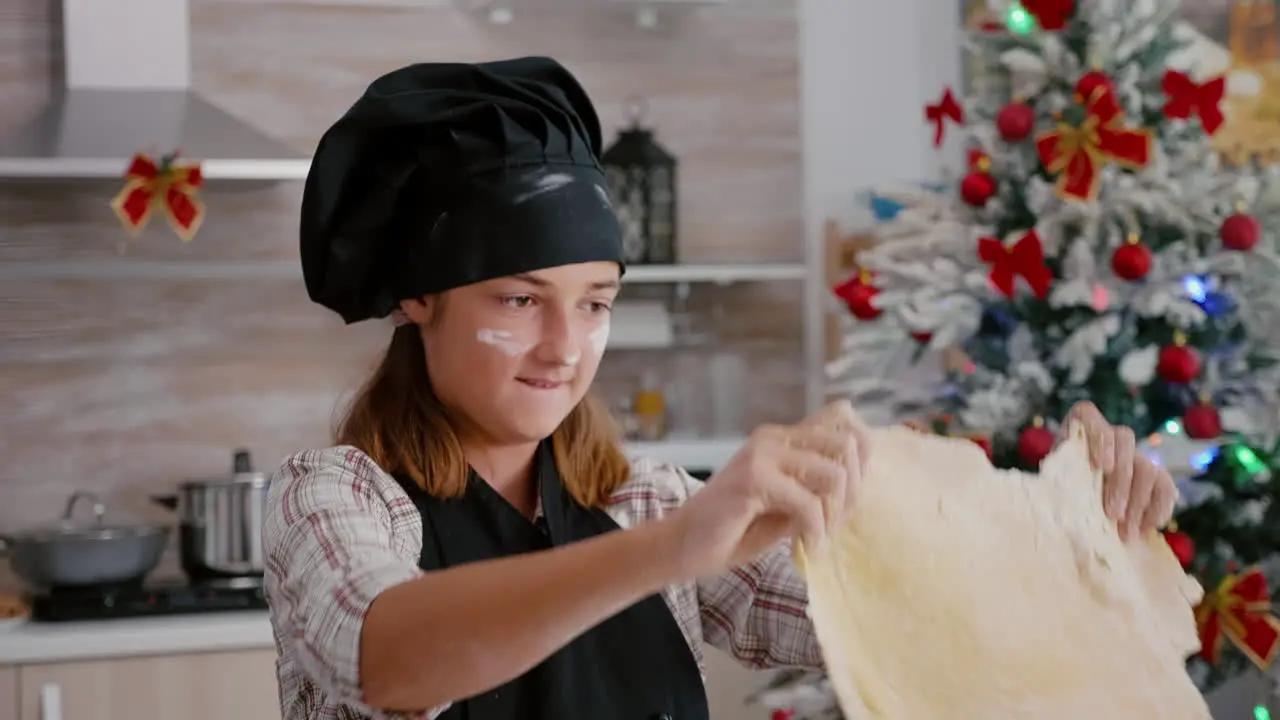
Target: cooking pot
(72,554)
(220,522)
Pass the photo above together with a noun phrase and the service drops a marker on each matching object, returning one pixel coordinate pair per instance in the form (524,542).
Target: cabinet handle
(50,702)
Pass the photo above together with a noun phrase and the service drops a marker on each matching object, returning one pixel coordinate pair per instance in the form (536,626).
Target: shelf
(688,453)
(708,273)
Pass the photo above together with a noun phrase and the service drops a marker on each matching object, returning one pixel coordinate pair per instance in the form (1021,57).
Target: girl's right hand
(785,482)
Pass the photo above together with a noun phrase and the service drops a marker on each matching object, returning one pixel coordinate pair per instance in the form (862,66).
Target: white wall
(868,68)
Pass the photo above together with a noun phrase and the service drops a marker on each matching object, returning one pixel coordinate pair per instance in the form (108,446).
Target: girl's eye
(599,307)
(517,301)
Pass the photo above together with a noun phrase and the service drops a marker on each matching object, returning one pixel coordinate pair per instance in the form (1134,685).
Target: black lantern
(642,182)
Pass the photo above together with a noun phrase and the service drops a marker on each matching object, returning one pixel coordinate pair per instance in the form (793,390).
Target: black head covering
(447,174)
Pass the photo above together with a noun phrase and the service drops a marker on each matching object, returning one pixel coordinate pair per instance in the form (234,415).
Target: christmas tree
(1227,535)
(1095,248)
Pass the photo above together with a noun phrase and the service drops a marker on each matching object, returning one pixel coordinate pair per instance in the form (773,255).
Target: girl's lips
(537,384)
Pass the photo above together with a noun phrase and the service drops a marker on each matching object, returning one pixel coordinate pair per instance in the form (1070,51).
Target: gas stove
(147,600)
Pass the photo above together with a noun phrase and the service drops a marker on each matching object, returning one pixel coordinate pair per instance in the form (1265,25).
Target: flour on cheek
(503,341)
(599,338)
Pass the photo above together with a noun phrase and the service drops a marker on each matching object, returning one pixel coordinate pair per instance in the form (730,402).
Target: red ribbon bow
(948,108)
(171,185)
(1239,610)
(1077,154)
(1024,258)
(1186,98)
(1050,14)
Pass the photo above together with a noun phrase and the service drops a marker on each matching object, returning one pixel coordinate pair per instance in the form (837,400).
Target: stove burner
(146,600)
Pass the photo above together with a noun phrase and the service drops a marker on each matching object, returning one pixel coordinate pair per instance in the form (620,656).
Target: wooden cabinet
(197,686)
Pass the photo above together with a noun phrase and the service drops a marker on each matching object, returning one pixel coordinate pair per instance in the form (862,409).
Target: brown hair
(397,420)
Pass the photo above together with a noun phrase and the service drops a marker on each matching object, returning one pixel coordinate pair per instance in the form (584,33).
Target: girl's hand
(1138,494)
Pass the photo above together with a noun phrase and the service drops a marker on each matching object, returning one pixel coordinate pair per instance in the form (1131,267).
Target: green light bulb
(1249,460)
(1260,712)
(1018,20)
(1173,427)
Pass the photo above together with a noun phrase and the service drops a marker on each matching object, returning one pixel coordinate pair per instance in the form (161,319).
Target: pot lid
(70,527)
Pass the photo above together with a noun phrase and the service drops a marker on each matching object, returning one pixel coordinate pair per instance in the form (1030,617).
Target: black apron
(636,665)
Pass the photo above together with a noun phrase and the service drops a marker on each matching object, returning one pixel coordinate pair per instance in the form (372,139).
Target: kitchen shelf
(689,453)
(719,274)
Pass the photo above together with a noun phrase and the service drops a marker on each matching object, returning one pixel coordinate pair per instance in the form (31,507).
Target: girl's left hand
(1138,494)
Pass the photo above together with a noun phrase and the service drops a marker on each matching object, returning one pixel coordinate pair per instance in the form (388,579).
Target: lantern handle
(635,108)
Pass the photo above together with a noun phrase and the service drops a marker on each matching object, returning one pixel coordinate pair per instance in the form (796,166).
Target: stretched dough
(960,591)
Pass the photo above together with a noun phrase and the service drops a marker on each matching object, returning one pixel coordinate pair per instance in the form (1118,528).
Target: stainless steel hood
(127,90)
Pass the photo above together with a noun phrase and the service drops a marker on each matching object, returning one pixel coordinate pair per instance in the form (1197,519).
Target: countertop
(26,642)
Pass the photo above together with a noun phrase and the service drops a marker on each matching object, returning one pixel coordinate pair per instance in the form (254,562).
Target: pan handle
(168,502)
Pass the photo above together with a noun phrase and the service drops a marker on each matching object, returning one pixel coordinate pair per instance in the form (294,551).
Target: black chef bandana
(448,174)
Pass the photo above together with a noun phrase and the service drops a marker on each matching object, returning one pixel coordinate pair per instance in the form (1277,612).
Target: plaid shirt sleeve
(758,612)
(334,538)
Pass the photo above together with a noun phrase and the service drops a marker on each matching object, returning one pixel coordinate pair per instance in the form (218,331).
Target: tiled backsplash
(126,379)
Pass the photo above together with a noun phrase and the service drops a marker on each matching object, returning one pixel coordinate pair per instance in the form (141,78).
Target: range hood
(127,89)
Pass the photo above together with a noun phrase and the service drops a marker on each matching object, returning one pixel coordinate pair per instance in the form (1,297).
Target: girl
(455,555)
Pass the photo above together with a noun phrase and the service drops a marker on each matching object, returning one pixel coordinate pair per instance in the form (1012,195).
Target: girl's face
(514,355)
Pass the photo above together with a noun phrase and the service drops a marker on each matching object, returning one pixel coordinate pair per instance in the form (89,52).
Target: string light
(1260,712)
(1018,20)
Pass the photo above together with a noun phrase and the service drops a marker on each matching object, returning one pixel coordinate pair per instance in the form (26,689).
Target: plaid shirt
(339,530)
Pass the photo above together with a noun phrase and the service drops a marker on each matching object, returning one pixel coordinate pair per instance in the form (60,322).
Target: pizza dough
(960,591)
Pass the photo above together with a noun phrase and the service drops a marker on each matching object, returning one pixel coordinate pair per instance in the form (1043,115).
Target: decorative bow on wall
(1023,258)
(171,186)
(1186,98)
(1239,610)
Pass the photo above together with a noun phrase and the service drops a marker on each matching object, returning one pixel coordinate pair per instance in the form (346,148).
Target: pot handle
(169,502)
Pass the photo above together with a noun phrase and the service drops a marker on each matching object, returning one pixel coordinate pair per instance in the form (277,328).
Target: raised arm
(378,634)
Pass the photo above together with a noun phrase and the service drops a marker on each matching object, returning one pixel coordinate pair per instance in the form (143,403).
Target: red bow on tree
(948,108)
(1050,14)
(171,185)
(1186,98)
(1077,154)
(1024,258)
(1239,610)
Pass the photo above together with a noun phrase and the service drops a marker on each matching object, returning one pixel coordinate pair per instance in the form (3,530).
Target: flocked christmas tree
(1094,249)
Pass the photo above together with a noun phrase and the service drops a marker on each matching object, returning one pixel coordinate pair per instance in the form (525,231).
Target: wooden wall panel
(125,373)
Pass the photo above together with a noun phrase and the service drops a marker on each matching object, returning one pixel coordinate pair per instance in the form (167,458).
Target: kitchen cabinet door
(8,692)
(198,686)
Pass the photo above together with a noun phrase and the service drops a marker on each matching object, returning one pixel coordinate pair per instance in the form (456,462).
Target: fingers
(1098,433)
(1118,482)
(1141,495)
(825,461)
(1163,500)
(786,496)
(842,418)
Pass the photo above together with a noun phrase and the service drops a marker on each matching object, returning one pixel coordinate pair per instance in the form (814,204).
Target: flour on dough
(960,591)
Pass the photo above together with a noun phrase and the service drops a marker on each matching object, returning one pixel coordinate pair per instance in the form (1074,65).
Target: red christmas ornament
(977,188)
(859,294)
(1241,231)
(1202,421)
(1050,14)
(782,714)
(983,442)
(1015,122)
(979,185)
(922,337)
(1131,261)
(1034,443)
(1091,85)
(1183,547)
(1178,363)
